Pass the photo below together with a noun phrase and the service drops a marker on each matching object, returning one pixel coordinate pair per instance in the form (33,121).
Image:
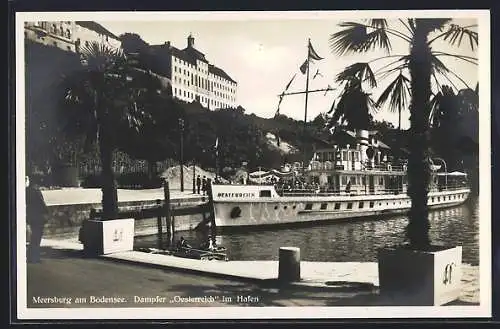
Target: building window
(309,206)
(349,205)
(361,205)
(324,206)
(337,205)
(371,204)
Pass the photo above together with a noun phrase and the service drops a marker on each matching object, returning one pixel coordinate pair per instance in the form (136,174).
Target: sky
(262,55)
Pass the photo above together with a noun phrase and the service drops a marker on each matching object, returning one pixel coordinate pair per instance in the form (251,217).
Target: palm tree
(102,98)
(422,63)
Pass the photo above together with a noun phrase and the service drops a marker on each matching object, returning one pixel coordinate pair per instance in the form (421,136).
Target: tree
(354,106)
(422,63)
(101,99)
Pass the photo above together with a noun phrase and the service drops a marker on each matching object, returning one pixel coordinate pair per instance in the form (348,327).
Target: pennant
(283,94)
(279,103)
(327,90)
(303,67)
(316,74)
(313,54)
(289,83)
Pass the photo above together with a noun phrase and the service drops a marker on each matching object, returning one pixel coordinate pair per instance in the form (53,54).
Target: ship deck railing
(316,192)
(357,166)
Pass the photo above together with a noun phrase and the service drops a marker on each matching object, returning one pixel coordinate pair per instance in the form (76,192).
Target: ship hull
(278,210)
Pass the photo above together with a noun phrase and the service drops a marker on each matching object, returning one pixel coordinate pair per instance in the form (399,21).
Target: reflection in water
(350,241)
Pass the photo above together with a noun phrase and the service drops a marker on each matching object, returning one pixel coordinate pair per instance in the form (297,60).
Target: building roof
(220,72)
(191,55)
(96,27)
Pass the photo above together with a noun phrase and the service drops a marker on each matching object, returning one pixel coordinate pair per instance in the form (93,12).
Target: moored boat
(362,179)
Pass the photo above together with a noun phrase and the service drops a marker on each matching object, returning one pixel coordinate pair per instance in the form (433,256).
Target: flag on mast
(313,54)
(303,67)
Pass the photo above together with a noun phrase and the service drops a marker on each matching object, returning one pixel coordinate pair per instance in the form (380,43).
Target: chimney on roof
(190,41)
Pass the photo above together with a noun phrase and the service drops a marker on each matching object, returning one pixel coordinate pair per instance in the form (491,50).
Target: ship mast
(305,106)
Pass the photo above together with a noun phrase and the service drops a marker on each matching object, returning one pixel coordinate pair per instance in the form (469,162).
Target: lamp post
(194,177)
(181,160)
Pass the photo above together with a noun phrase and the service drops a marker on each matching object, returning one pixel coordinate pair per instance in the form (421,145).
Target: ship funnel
(363,139)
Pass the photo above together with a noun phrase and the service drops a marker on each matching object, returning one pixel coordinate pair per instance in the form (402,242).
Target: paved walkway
(77,195)
(356,276)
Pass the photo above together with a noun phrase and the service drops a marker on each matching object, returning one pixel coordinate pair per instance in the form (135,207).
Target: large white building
(194,78)
(69,35)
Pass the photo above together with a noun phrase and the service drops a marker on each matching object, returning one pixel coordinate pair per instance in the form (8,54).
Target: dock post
(159,224)
(289,264)
(166,205)
(213,227)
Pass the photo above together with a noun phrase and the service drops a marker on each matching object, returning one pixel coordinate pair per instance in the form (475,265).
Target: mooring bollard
(289,264)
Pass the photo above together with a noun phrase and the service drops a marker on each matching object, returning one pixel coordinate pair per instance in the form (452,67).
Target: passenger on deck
(348,187)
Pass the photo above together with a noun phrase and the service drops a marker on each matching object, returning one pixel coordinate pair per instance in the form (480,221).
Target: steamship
(350,181)
(359,178)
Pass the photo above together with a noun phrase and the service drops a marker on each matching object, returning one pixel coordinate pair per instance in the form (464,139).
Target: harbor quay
(67,278)
(69,207)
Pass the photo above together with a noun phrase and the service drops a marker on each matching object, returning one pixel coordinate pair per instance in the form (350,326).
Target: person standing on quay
(36,215)
(198,184)
(204,185)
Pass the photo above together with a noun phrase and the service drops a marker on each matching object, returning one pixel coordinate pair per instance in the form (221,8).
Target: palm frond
(356,38)
(397,92)
(456,33)
(378,22)
(411,24)
(438,66)
(358,71)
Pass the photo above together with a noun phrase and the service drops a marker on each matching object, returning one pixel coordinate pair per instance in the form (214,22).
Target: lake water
(347,241)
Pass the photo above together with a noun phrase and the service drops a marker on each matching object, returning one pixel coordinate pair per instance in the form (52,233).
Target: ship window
(275,207)
(344,180)
(309,206)
(361,204)
(337,205)
(432,199)
(353,180)
(363,180)
(439,198)
(323,206)
(294,206)
(349,205)
(285,207)
(265,194)
(344,155)
(381,181)
(372,204)
(356,156)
